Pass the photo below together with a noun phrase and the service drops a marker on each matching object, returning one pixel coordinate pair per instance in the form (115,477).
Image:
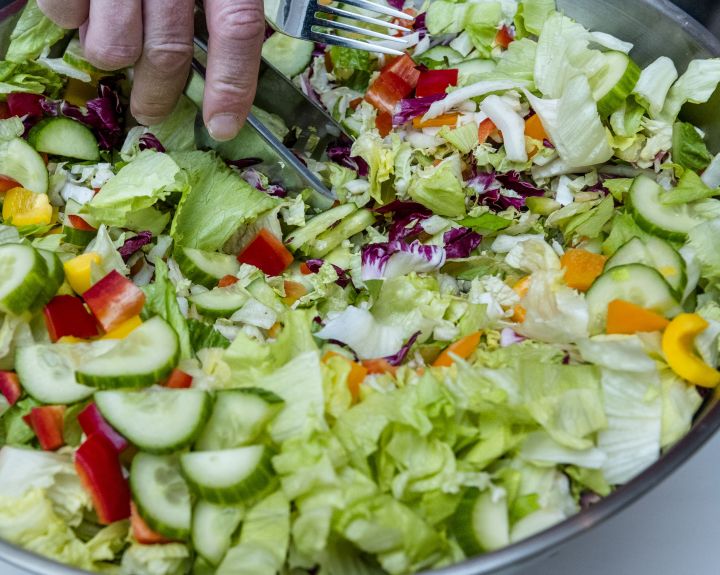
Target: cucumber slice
(55,278)
(75,56)
(47,371)
(289,55)
(213,527)
(671,222)
(353,224)
(143,358)
(474,67)
(76,237)
(157,421)
(655,253)
(64,137)
(23,164)
(231,475)
(615,82)
(440,57)
(220,302)
(318,225)
(23,274)
(238,418)
(634,283)
(161,494)
(481,523)
(205,268)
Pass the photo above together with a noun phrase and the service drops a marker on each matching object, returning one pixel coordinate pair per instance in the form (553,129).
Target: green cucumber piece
(55,278)
(481,522)
(156,421)
(213,527)
(238,418)
(655,253)
(205,268)
(47,371)
(19,161)
(615,82)
(440,57)
(23,275)
(474,67)
(144,357)
(64,137)
(229,476)
(289,55)
(221,301)
(75,56)
(161,495)
(671,222)
(634,283)
(353,224)
(317,225)
(76,237)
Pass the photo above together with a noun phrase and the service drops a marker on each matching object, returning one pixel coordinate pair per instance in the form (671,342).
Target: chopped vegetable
(22,207)
(78,271)
(582,268)
(462,348)
(435,82)
(48,423)
(66,315)
(124,329)
(92,422)
(179,379)
(678,347)
(267,253)
(114,300)
(627,318)
(10,387)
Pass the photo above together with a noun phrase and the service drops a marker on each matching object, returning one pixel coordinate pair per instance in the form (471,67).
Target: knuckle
(170,57)
(111,56)
(240,21)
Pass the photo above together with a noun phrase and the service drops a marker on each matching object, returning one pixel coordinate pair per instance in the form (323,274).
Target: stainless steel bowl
(656,27)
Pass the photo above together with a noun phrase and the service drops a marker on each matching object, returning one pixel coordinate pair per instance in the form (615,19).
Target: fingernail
(223,127)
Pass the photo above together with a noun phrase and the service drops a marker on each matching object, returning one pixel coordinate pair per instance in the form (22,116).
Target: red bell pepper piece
(7,183)
(10,386)
(114,299)
(435,82)
(267,253)
(227,280)
(80,224)
(141,531)
(383,123)
(92,422)
(504,37)
(67,315)
(4,111)
(24,104)
(48,423)
(98,466)
(396,80)
(179,379)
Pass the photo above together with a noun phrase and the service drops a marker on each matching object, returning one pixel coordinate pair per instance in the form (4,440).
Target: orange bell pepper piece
(485,128)
(534,128)
(521,288)
(379,365)
(463,348)
(293,292)
(356,376)
(627,318)
(582,268)
(443,120)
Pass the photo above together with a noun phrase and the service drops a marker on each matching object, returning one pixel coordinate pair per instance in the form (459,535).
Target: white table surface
(672,531)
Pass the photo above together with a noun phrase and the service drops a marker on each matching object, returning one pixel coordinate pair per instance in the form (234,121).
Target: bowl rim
(522,552)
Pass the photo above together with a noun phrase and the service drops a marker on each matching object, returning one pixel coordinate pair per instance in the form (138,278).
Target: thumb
(236,29)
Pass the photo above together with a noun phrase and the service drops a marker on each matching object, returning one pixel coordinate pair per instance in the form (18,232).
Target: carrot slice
(463,348)
(582,268)
(627,318)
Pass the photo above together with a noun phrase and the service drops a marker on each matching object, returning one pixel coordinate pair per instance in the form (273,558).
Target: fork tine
(327,38)
(361,18)
(379,8)
(356,29)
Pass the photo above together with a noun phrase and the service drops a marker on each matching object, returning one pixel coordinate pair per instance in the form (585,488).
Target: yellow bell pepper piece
(25,208)
(124,329)
(677,345)
(71,339)
(77,271)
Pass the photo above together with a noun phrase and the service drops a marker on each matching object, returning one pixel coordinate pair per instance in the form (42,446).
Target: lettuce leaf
(689,189)
(689,149)
(481,24)
(696,86)
(654,84)
(164,559)
(29,77)
(535,13)
(439,188)
(177,132)
(32,34)
(703,240)
(216,204)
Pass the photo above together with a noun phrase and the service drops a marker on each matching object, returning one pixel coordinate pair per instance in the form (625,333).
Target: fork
(315,20)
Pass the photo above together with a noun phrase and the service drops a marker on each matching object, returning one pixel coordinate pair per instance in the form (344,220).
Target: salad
(511,308)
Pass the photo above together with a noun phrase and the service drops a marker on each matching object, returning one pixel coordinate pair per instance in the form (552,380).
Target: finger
(236,30)
(163,68)
(113,39)
(68,14)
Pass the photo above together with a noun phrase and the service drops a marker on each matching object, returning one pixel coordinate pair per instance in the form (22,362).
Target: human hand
(156,36)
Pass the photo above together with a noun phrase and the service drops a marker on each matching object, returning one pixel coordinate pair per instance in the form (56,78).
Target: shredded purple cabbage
(343,345)
(319,49)
(399,357)
(149,141)
(419,25)
(488,186)
(548,144)
(410,108)
(460,242)
(254,178)
(392,259)
(513,181)
(397,4)
(339,152)
(343,277)
(509,337)
(407,226)
(134,244)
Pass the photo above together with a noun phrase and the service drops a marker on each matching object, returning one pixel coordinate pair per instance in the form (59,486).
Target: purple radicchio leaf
(548,144)
(419,25)
(487,186)
(307,89)
(508,337)
(254,178)
(319,49)
(134,244)
(407,226)
(513,181)
(400,356)
(460,242)
(343,280)
(149,141)
(393,259)
(410,108)
(339,152)
(397,4)
(343,345)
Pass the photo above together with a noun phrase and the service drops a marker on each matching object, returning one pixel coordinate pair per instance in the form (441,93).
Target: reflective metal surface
(656,27)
